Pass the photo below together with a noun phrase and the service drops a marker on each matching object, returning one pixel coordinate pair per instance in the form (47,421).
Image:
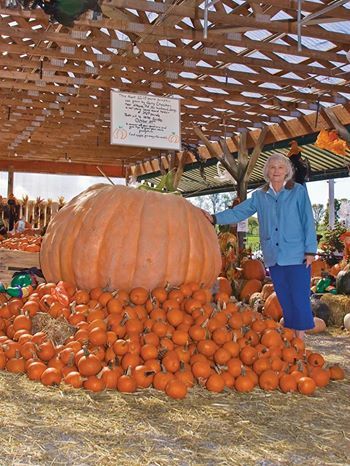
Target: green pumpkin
(343,282)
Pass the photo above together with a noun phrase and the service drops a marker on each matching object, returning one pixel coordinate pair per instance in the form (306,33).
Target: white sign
(145,121)
(243,226)
(344,213)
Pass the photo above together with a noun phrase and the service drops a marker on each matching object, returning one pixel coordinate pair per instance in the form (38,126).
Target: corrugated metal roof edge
(307,139)
(330,174)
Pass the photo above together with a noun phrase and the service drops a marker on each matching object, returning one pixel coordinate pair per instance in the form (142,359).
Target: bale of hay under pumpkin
(339,306)
(57,330)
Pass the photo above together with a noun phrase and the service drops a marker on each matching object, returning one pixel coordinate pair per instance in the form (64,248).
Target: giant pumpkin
(119,237)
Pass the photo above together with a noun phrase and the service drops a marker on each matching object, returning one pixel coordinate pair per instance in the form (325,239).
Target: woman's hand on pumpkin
(208,216)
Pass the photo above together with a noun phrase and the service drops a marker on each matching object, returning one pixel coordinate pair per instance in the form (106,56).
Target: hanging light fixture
(135,49)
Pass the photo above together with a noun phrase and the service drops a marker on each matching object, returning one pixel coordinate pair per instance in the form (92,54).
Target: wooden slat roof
(55,81)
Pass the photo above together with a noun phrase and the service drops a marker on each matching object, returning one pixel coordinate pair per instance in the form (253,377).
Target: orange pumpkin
(273,308)
(118,237)
(250,287)
(317,267)
(253,268)
(224,285)
(267,289)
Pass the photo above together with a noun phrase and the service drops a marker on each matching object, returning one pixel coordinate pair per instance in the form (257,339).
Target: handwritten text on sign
(145,121)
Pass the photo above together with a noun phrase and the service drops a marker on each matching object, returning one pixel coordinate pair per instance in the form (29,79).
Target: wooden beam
(61,168)
(190,12)
(214,36)
(340,128)
(256,152)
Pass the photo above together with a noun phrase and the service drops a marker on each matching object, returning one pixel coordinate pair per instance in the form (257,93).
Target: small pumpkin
(315,360)
(268,380)
(320,376)
(89,364)
(94,384)
(176,389)
(244,383)
(306,385)
(336,372)
(215,383)
(253,269)
(288,383)
(74,379)
(250,287)
(224,285)
(273,308)
(267,289)
(51,376)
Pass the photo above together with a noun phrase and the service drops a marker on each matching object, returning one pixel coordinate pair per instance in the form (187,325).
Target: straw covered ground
(63,426)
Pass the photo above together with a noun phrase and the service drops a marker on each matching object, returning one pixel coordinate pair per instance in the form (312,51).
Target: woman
(287,235)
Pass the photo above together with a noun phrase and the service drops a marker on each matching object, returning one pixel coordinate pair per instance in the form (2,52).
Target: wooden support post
(240,169)
(10,181)
(331,203)
(182,160)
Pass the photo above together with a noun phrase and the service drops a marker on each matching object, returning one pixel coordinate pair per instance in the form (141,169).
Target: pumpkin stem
(165,184)
(162,353)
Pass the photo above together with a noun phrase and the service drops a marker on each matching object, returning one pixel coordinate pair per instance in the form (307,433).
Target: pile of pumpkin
(22,242)
(170,339)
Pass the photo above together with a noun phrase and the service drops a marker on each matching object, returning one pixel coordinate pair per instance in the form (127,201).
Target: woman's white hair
(278,158)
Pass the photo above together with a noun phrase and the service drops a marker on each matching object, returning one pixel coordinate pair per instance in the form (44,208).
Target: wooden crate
(12,261)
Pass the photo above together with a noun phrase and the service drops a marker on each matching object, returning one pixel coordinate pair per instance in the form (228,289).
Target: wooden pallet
(13,261)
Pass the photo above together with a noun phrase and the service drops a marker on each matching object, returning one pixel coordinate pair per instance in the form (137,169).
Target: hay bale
(339,306)
(57,330)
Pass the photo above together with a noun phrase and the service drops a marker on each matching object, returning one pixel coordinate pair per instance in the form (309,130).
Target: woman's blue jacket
(286,223)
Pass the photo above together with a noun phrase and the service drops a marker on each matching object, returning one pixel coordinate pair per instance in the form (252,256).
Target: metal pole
(102,172)
(206,6)
(331,203)
(299,26)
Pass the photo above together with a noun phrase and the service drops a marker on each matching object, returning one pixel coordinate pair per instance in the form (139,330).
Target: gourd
(320,326)
(118,237)
(321,310)
(347,321)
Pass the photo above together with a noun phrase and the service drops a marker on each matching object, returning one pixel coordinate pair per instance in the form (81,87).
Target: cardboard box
(13,261)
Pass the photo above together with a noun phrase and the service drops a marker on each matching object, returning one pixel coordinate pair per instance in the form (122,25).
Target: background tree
(337,203)
(213,202)
(319,212)
(253,226)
